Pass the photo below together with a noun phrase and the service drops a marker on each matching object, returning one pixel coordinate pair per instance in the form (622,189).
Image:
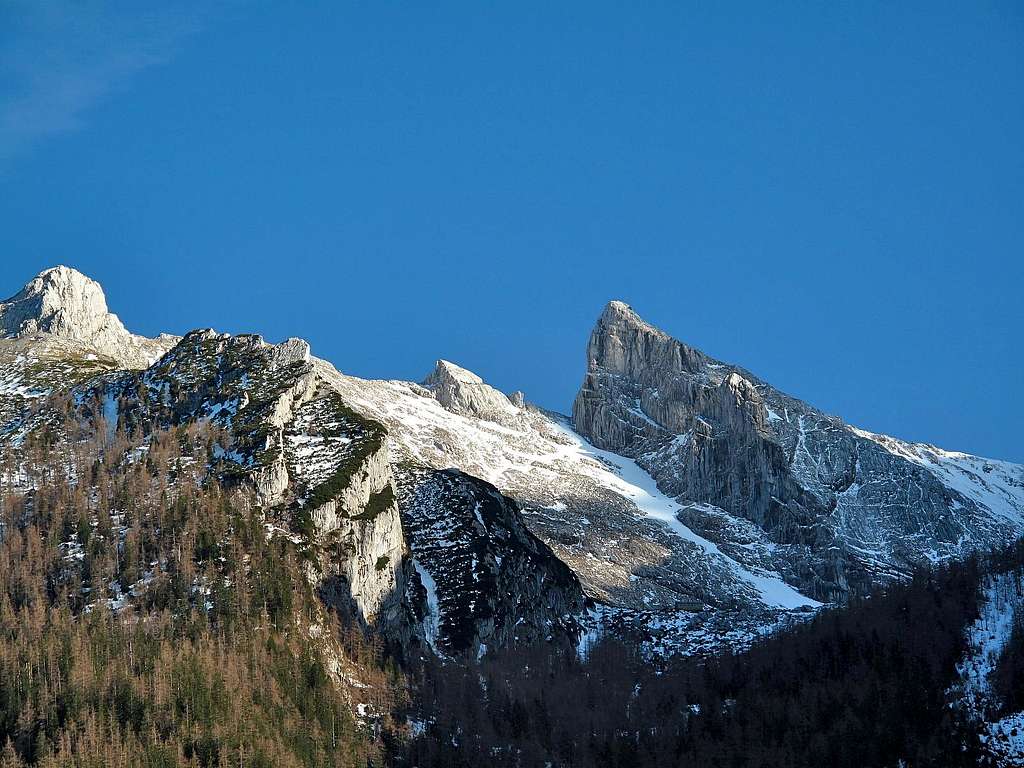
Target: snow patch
(631,481)
(1003,597)
(432,621)
(110,413)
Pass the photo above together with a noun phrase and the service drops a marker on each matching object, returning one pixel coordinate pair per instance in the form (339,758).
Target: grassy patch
(370,439)
(379,502)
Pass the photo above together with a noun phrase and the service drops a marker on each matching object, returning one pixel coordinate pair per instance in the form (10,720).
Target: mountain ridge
(712,433)
(689,498)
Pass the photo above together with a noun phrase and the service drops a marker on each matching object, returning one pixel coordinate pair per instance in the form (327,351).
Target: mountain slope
(599,512)
(488,582)
(321,471)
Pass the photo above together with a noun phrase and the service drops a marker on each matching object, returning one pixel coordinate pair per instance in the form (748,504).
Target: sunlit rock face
(842,508)
(64,303)
(465,393)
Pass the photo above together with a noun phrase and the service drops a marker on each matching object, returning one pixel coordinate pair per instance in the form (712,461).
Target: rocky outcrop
(64,303)
(344,502)
(363,565)
(320,468)
(465,393)
(641,384)
(483,581)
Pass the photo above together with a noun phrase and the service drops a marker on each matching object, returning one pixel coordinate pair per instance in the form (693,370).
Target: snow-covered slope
(994,485)
(599,512)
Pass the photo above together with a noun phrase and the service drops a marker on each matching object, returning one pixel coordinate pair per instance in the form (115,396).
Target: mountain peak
(449,370)
(63,303)
(617,306)
(60,301)
(623,342)
(65,274)
(619,311)
(619,315)
(465,393)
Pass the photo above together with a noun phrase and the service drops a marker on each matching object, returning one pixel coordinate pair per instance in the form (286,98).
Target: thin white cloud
(59,58)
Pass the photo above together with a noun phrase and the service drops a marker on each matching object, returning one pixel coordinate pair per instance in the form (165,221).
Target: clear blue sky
(830,194)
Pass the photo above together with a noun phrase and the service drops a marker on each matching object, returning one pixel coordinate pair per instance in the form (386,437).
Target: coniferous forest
(147,619)
(866,685)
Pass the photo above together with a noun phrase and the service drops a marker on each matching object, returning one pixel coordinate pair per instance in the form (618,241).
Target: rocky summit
(685,501)
(62,303)
(834,508)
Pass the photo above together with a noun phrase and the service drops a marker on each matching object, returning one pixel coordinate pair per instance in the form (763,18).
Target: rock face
(484,581)
(599,513)
(342,485)
(363,565)
(64,303)
(845,507)
(321,469)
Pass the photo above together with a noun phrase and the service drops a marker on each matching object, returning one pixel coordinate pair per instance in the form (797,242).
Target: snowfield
(628,545)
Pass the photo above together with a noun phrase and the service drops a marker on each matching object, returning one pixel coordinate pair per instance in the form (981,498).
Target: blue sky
(831,195)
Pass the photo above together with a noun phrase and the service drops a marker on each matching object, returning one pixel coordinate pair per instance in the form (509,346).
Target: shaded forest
(860,686)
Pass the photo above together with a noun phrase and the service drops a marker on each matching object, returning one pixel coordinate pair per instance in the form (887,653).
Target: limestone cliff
(842,507)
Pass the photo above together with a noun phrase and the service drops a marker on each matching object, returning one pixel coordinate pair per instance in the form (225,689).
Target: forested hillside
(216,551)
(154,616)
(151,617)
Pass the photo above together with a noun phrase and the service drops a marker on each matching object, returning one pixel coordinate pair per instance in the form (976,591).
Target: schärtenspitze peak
(62,302)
